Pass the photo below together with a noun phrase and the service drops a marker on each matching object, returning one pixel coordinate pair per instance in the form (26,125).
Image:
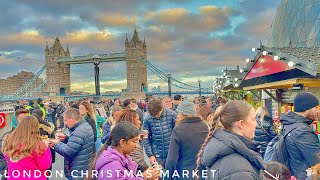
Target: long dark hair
(122,130)
(231,112)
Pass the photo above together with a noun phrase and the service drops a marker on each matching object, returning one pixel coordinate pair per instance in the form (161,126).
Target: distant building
(14,83)
(156,89)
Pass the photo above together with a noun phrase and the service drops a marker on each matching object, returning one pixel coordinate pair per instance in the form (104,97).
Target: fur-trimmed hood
(48,129)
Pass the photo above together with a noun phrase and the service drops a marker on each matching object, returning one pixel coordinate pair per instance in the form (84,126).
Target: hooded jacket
(302,144)
(229,156)
(113,165)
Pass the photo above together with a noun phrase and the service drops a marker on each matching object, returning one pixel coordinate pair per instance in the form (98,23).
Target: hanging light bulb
(241,70)
(236,85)
(253,49)
(247,60)
(276,58)
(235,79)
(291,64)
(264,53)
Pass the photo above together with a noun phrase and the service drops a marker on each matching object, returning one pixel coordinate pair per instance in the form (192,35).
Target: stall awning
(286,84)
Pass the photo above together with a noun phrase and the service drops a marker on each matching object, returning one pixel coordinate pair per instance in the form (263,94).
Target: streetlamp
(96,61)
(199,88)
(169,83)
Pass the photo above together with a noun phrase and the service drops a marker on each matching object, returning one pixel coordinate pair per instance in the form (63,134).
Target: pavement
(57,167)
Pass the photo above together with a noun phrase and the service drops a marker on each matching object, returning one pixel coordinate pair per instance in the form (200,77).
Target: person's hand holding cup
(52,142)
(60,136)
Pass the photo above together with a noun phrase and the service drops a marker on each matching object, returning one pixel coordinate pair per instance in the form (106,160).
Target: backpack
(277,150)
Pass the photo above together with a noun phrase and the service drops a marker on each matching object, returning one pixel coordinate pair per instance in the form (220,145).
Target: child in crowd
(26,152)
(113,160)
(277,171)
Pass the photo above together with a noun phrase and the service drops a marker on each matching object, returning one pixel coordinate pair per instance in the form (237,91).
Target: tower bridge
(58,63)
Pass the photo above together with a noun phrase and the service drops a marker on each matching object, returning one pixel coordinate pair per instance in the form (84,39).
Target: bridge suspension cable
(36,90)
(163,76)
(25,87)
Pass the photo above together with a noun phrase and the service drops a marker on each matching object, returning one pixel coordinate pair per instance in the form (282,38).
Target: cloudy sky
(191,39)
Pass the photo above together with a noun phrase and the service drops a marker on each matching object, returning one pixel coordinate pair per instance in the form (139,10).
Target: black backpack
(277,150)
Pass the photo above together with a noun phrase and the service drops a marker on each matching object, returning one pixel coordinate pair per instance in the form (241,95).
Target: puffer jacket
(302,144)
(266,135)
(160,129)
(229,156)
(77,149)
(113,165)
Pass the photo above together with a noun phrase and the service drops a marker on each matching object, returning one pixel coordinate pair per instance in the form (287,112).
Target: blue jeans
(98,144)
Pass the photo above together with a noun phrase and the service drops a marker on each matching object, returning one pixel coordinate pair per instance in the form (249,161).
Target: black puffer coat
(231,157)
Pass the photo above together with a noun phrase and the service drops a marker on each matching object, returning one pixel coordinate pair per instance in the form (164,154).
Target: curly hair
(154,107)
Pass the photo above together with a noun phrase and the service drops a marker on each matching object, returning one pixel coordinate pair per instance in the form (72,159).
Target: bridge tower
(57,74)
(136,71)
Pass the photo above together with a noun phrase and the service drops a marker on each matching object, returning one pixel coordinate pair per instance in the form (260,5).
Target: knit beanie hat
(186,108)
(305,101)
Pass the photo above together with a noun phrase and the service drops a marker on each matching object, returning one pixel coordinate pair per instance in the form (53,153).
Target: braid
(215,125)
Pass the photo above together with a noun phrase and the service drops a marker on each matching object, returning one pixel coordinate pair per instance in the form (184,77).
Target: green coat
(100,121)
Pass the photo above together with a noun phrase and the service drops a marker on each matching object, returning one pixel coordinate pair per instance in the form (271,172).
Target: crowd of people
(204,138)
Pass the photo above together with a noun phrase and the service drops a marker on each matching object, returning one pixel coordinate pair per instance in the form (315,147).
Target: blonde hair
(261,112)
(24,140)
(90,109)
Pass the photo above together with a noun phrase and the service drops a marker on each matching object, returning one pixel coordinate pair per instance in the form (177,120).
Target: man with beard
(302,143)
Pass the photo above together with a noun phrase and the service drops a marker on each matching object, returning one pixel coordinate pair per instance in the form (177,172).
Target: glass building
(296,24)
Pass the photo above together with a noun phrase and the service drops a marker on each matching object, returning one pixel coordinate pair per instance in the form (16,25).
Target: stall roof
(286,84)
(305,71)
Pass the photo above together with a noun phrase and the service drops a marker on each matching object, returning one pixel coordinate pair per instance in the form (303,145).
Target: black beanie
(305,101)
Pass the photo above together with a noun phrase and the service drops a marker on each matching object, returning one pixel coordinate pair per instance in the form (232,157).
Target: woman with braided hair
(231,153)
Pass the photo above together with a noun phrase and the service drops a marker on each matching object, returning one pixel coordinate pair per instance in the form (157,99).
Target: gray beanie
(186,108)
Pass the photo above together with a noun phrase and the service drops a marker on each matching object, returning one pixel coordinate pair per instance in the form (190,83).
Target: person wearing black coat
(88,113)
(302,143)
(265,129)
(46,130)
(231,153)
(184,147)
